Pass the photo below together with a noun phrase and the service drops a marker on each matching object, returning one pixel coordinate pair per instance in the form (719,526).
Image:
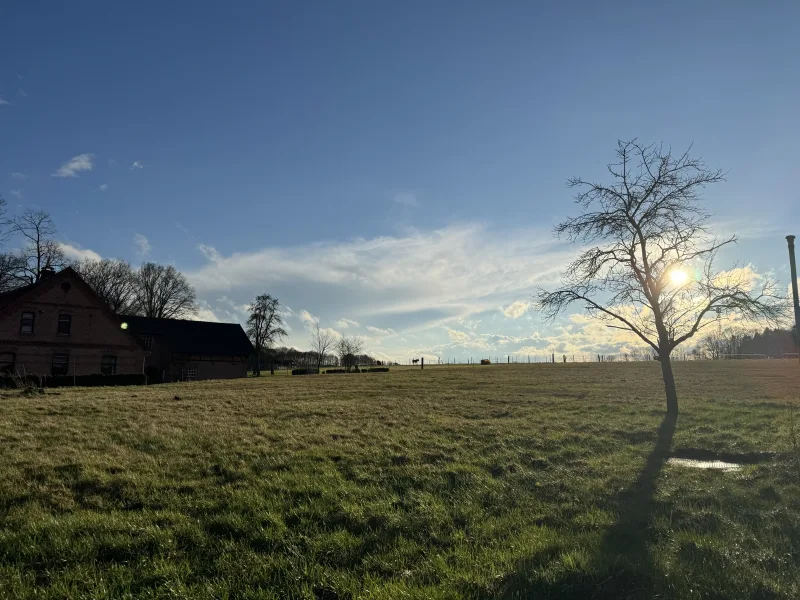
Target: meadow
(506,481)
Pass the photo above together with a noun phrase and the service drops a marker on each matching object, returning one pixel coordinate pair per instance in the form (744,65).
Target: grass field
(520,481)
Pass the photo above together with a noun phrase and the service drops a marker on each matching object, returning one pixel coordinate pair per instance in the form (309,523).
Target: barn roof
(193,337)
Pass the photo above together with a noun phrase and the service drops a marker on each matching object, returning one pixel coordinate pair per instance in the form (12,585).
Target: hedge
(95,380)
(365,370)
(304,371)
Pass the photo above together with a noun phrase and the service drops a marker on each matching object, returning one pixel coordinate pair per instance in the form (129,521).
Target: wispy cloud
(458,336)
(137,165)
(210,253)
(460,270)
(74,252)
(142,244)
(17,194)
(406,199)
(434,279)
(23,93)
(4,102)
(379,331)
(346,323)
(18,175)
(103,187)
(182,228)
(307,318)
(516,309)
(205,313)
(76,164)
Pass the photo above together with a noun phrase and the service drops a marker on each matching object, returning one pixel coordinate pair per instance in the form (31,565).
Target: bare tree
(349,349)
(163,292)
(322,341)
(9,269)
(265,325)
(8,262)
(41,252)
(114,281)
(651,267)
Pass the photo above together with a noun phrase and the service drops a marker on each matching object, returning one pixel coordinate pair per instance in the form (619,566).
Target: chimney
(46,272)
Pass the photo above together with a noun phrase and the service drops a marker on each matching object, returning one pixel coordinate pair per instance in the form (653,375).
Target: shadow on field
(622,566)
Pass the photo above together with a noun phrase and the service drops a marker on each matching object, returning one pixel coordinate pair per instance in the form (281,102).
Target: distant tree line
(733,342)
(151,290)
(284,357)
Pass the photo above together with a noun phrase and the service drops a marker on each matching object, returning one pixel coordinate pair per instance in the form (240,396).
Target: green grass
(515,481)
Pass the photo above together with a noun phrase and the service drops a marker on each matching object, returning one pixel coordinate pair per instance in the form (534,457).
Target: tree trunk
(669,384)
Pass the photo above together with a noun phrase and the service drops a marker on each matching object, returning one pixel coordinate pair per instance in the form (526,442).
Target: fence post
(422,363)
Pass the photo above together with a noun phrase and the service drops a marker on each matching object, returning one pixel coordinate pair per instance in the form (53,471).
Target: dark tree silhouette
(41,252)
(650,268)
(265,325)
(114,281)
(163,292)
(349,350)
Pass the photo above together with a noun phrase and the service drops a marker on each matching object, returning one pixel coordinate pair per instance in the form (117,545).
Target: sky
(389,170)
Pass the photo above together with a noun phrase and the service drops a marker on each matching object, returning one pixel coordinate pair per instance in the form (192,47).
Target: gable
(66,293)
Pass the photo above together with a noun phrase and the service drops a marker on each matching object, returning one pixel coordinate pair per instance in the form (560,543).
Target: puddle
(704,464)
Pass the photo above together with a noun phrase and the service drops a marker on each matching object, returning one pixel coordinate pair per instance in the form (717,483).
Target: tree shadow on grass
(622,566)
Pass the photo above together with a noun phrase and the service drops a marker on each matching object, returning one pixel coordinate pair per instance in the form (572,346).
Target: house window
(147,340)
(189,373)
(60,364)
(64,324)
(26,324)
(7,360)
(108,366)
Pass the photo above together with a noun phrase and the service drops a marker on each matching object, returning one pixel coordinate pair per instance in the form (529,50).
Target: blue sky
(395,165)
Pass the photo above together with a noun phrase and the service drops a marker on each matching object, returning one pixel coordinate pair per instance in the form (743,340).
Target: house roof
(193,337)
(11,296)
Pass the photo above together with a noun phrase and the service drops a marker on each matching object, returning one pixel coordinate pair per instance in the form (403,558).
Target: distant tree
(322,340)
(41,251)
(349,349)
(162,292)
(265,325)
(115,281)
(651,270)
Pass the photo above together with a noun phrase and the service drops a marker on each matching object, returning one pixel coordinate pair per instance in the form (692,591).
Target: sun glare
(678,277)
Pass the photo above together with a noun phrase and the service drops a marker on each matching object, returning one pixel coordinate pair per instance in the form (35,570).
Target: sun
(678,277)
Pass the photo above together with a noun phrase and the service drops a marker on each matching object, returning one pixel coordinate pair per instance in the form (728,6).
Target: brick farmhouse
(59,326)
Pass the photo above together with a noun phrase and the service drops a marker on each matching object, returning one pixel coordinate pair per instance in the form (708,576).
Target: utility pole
(793,267)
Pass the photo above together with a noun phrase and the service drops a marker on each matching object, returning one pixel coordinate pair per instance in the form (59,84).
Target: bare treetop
(114,281)
(163,292)
(40,252)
